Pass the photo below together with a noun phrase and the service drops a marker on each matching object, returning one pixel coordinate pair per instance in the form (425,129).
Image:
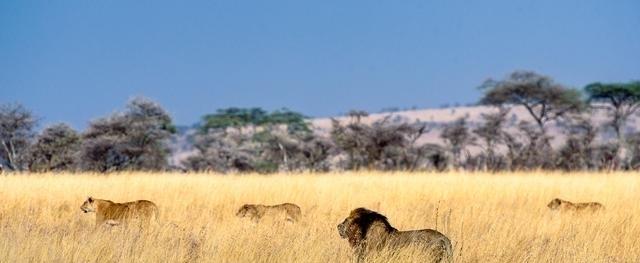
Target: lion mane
(368,232)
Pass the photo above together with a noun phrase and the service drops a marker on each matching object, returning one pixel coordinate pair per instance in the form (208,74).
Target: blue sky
(73,61)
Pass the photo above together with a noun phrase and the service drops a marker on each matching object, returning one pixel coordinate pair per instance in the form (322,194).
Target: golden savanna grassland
(489,218)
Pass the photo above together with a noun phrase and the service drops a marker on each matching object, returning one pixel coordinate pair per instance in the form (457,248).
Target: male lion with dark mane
(368,231)
(109,213)
(287,211)
(558,204)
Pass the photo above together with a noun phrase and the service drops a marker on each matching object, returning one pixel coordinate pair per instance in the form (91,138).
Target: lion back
(114,211)
(138,210)
(594,206)
(432,242)
(145,209)
(579,207)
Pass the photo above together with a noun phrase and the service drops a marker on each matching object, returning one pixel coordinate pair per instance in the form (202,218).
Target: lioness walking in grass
(140,212)
(558,204)
(287,211)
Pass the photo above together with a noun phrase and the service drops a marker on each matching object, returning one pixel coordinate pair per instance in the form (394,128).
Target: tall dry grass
(489,218)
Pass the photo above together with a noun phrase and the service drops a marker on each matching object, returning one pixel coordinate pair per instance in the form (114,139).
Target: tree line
(255,140)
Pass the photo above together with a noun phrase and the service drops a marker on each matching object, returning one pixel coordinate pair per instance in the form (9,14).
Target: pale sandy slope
(436,119)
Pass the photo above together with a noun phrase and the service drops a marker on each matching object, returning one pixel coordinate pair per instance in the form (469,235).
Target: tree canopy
(614,93)
(544,99)
(242,117)
(623,100)
(54,149)
(135,139)
(16,131)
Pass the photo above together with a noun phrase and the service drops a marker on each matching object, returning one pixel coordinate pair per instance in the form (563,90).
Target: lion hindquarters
(431,242)
(287,211)
(592,207)
(447,256)
(145,211)
(294,213)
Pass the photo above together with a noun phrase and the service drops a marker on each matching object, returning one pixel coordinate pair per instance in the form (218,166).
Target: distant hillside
(435,120)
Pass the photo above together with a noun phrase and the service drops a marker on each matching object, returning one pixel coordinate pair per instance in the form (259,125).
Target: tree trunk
(621,151)
(285,160)
(10,156)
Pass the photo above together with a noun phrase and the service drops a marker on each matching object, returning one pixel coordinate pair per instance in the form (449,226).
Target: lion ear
(90,199)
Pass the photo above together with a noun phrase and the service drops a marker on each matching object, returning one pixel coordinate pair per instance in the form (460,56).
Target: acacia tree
(253,117)
(54,149)
(541,96)
(621,100)
(16,132)
(134,139)
(293,151)
(491,133)
(275,140)
(578,152)
(457,136)
(383,145)
(357,115)
(528,148)
(233,117)
(217,150)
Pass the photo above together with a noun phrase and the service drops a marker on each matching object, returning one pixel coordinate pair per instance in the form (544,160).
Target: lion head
(555,203)
(88,206)
(247,211)
(360,223)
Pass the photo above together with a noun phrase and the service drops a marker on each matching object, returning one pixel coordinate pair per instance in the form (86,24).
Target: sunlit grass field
(488,217)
